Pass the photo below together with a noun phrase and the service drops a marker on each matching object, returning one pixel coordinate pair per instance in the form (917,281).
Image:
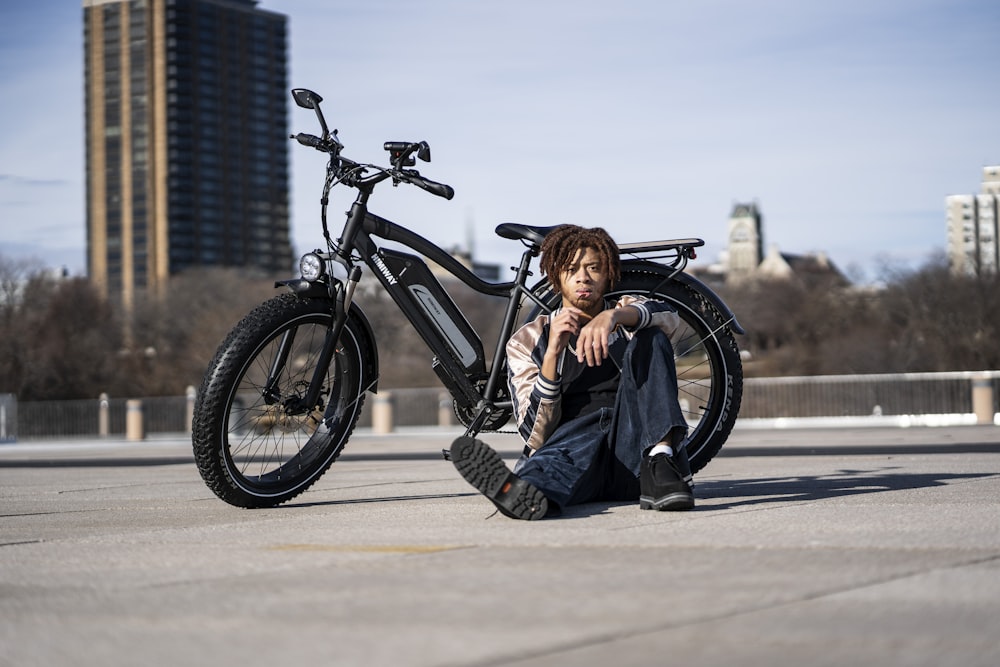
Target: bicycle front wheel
(256,442)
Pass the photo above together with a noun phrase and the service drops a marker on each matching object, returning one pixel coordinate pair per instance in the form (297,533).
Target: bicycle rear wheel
(709,369)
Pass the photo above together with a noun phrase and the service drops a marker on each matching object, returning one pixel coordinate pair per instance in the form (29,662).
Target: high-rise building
(972,228)
(187,140)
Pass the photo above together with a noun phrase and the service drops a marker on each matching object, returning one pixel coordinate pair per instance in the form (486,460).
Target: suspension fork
(269,392)
(299,405)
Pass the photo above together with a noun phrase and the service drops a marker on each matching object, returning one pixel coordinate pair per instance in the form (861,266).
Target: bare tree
(807,328)
(58,340)
(14,275)
(921,320)
(174,338)
(935,321)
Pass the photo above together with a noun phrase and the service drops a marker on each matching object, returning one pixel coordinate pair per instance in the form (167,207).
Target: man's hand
(566,324)
(592,345)
(593,332)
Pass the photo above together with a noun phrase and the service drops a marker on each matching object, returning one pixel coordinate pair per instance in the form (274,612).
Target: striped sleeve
(652,313)
(537,400)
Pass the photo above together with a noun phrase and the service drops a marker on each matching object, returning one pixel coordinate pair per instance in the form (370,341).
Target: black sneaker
(663,485)
(484,469)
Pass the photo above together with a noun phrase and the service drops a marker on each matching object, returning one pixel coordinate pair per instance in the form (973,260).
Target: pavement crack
(594,640)
(19,543)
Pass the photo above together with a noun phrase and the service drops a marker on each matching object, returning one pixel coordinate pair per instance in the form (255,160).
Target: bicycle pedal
(446,454)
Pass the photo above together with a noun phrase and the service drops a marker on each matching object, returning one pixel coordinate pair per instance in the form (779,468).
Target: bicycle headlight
(312,267)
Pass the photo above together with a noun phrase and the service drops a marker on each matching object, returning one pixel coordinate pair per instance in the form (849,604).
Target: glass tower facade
(187,149)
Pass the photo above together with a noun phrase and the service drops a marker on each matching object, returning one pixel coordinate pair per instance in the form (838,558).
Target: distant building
(744,260)
(972,228)
(746,241)
(777,265)
(186,140)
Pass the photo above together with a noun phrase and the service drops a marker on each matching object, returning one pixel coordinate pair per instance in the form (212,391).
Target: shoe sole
(484,469)
(674,502)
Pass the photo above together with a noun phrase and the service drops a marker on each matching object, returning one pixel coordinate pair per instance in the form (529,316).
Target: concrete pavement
(808,547)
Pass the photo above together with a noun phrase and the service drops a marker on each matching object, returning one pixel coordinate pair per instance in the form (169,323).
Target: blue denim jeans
(596,456)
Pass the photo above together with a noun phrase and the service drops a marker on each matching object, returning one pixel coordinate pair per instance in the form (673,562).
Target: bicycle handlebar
(408,175)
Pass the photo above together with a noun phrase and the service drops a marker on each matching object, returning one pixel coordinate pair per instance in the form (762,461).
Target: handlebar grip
(308,140)
(433,187)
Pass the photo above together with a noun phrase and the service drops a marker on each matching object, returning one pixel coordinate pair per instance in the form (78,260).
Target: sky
(847,122)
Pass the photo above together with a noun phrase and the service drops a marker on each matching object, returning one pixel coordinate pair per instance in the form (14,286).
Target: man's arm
(537,398)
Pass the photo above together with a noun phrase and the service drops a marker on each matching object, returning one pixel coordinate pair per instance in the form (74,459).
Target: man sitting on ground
(595,395)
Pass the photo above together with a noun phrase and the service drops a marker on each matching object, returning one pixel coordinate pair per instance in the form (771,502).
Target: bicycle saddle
(516,232)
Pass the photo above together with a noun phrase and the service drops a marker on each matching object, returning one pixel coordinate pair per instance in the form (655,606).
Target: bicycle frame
(457,348)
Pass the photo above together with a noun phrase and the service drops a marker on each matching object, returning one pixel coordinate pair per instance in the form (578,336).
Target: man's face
(585,282)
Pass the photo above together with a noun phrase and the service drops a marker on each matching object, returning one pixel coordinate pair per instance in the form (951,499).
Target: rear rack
(659,246)
(677,252)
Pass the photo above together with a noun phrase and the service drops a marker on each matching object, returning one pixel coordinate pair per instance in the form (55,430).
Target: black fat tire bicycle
(287,386)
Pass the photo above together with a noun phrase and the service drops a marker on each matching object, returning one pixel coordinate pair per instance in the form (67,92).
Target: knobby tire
(257,445)
(709,369)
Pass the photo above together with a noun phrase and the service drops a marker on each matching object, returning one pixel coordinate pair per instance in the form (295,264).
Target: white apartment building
(972,228)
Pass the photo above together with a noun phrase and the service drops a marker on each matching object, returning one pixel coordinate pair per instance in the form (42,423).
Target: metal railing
(957,397)
(968,394)
(103,417)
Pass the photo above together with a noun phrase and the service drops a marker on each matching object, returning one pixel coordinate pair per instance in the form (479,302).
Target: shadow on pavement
(744,493)
(822,487)
(855,449)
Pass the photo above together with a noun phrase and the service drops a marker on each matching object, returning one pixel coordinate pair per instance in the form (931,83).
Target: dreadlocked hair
(563,243)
